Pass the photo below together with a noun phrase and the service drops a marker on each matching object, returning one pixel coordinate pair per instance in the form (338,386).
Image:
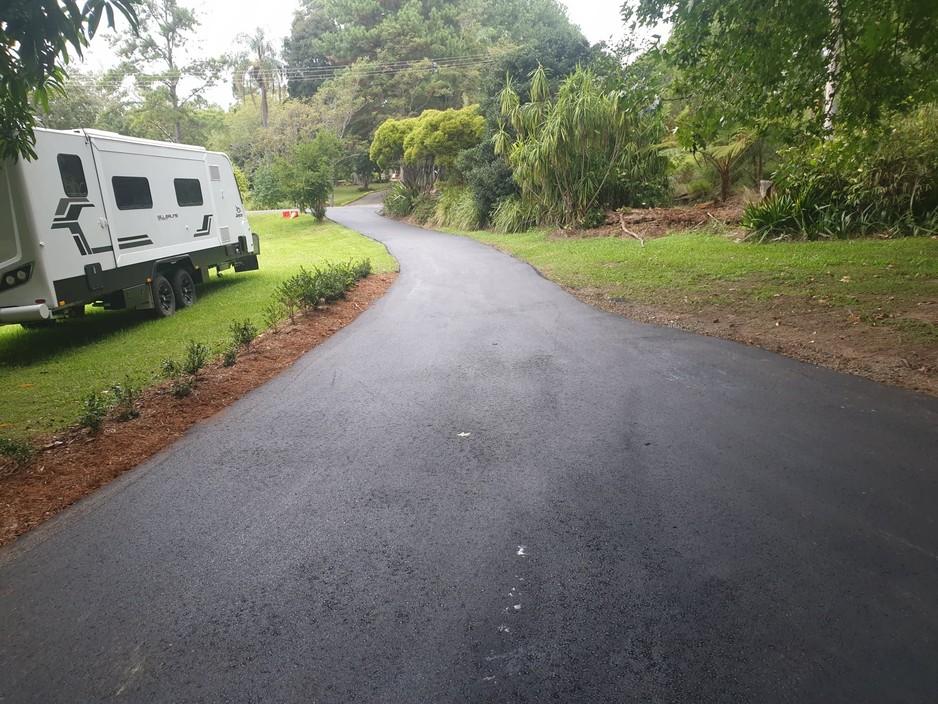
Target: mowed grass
(46,374)
(692,269)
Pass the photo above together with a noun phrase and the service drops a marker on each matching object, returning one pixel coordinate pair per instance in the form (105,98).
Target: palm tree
(258,65)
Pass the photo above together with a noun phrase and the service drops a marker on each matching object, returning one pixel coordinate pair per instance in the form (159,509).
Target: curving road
(486,491)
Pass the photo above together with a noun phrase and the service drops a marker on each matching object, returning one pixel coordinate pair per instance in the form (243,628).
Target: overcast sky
(222,20)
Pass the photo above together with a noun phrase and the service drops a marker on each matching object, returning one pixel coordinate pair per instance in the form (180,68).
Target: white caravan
(120,222)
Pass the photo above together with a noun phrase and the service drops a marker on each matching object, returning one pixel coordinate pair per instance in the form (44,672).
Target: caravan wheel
(164,301)
(183,288)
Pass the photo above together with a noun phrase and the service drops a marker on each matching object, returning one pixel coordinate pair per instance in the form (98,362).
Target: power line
(288,73)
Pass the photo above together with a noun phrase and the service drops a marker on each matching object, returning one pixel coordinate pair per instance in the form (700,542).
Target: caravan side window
(73,176)
(188,191)
(132,192)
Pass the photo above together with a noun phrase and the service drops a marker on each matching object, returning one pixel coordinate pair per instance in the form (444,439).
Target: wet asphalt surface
(486,491)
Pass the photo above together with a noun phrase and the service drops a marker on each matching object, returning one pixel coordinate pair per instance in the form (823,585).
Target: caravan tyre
(183,288)
(164,300)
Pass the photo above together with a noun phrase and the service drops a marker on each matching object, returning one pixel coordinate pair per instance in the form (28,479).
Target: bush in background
(456,208)
(515,215)
(400,200)
(863,181)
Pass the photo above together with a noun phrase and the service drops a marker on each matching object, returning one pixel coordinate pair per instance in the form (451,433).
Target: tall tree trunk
(833,67)
(177,125)
(263,85)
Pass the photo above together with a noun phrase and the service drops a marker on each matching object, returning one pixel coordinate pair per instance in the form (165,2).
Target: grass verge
(688,270)
(864,306)
(47,374)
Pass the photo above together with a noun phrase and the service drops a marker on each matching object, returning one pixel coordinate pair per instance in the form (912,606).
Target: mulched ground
(75,462)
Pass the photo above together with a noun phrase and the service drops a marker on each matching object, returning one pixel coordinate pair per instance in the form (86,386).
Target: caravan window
(188,191)
(132,192)
(73,176)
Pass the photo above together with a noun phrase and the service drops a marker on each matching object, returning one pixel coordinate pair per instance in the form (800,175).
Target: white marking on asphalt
(521,550)
(504,629)
(517,607)
(464,435)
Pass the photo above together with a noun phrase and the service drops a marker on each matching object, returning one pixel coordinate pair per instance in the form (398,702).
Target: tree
(306,178)
(36,36)
(414,55)
(158,61)
(424,146)
(828,61)
(583,152)
(87,101)
(258,65)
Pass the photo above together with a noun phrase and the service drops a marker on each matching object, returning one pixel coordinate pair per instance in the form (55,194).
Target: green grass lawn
(690,269)
(45,374)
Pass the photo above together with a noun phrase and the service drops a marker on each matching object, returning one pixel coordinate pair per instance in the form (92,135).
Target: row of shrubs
(456,207)
(302,293)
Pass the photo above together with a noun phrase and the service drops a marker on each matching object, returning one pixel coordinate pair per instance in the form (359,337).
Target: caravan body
(102,218)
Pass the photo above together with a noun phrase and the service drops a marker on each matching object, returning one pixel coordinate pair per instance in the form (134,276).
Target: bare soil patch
(804,329)
(75,462)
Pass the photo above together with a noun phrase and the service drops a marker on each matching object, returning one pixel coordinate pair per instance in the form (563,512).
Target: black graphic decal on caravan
(206,226)
(66,218)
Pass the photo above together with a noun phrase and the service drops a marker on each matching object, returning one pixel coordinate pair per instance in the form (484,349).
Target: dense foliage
(35,39)
(811,60)
(586,151)
(424,147)
(865,181)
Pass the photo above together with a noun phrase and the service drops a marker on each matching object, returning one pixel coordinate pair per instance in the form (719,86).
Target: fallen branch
(627,230)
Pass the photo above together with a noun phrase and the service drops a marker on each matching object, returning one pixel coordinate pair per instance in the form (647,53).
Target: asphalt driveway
(485,491)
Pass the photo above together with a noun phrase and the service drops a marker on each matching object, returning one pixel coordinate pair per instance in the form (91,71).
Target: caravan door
(78,223)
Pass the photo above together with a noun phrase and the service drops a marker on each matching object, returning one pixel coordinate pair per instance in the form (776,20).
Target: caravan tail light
(15,277)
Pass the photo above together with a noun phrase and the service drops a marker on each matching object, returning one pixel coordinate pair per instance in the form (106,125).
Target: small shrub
(197,354)
(456,208)
(361,268)
(170,368)
(593,218)
(16,450)
(424,207)
(399,201)
(287,296)
(300,292)
(125,399)
(306,290)
(332,282)
(243,333)
(93,411)
(182,386)
(489,178)
(700,189)
(229,355)
(273,315)
(514,215)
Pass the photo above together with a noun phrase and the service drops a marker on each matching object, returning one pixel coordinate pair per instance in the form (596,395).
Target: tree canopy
(158,59)
(408,56)
(36,37)
(423,146)
(816,59)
